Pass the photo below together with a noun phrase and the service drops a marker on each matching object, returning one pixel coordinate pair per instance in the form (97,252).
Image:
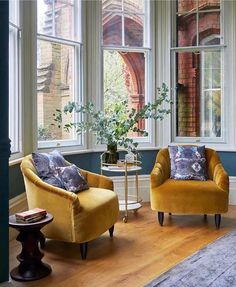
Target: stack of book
(32,215)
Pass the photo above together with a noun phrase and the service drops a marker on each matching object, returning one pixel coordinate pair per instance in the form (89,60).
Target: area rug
(212,266)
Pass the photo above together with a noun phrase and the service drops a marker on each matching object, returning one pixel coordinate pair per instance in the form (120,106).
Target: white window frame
(15,121)
(214,142)
(147,49)
(77,45)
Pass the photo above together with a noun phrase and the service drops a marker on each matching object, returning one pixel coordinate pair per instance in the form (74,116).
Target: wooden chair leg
(170,213)
(205,216)
(83,250)
(111,230)
(160,216)
(217,220)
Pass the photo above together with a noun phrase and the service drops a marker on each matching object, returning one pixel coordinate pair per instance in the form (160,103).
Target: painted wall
(91,161)
(4,142)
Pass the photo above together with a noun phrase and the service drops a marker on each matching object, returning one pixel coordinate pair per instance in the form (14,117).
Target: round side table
(31,267)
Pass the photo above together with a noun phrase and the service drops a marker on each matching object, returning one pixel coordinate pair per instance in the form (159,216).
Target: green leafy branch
(113,128)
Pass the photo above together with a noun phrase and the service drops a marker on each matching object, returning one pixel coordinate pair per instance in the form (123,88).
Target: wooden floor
(139,251)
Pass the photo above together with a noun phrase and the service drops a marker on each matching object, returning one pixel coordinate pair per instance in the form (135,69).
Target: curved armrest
(97,180)
(157,177)
(220,177)
(161,169)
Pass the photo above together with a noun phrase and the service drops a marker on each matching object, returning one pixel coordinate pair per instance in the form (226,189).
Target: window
(198,58)
(14,76)
(126,54)
(59,66)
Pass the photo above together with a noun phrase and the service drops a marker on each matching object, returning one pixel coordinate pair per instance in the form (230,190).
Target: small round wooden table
(31,267)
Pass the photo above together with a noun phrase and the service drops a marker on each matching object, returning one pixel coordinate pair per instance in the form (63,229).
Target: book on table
(31,215)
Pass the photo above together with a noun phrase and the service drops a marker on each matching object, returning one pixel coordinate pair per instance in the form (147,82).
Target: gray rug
(212,266)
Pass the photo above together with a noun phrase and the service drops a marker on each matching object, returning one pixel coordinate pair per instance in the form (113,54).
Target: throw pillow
(72,178)
(188,162)
(46,163)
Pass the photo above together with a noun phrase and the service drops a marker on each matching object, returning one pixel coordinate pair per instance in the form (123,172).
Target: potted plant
(113,128)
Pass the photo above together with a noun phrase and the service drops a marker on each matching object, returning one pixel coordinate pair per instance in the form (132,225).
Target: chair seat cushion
(189,196)
(99,210)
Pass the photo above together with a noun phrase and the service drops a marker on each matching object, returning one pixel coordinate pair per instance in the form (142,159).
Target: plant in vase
(113,128)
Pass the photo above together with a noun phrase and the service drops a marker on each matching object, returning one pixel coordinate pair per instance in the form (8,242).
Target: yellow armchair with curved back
(79,217)
(189,196)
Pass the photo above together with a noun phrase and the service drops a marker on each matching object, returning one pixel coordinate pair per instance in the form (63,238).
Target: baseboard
(143,186)
(16,204)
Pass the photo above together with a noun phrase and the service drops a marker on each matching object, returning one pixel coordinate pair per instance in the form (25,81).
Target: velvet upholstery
(189,196)
(78,217)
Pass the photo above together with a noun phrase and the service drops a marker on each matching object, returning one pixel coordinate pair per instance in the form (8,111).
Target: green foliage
(114,79)
(113,128)
(44,133)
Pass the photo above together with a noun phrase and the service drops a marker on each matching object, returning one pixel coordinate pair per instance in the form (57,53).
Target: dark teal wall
(16,183)
(4,143)
(91,161)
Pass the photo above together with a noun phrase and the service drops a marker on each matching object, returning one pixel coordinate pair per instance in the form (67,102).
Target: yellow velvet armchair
(79,217)
(189,196)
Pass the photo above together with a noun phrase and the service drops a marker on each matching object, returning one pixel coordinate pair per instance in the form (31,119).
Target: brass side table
(130,202)
(31,267)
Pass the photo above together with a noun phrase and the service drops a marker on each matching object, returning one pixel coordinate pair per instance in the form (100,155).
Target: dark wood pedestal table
(31,267)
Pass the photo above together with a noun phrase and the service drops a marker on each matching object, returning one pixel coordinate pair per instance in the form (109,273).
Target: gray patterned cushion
(188,162)
(72,179)
(46,163)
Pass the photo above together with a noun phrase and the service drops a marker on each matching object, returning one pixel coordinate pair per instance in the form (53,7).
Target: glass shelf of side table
(130,202)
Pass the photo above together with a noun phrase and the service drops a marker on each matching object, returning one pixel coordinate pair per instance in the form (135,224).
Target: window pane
(56,18)
(186,6)
(55,87)
(208,4)
(133,30)
(212,69)
(189,16)
(198,101)
(114,5)
(186,30)
(209,28)
(112,29)
(134,6)
(211,126)
(124,79)
(125,27)
(13,90)
(14,12)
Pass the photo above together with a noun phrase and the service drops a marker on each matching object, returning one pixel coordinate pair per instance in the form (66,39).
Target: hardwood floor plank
(139,251)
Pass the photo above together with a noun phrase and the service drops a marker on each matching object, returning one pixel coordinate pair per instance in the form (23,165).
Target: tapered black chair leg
(111,230)
(217,220)
(160,216)
(205,216)
(83,250)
